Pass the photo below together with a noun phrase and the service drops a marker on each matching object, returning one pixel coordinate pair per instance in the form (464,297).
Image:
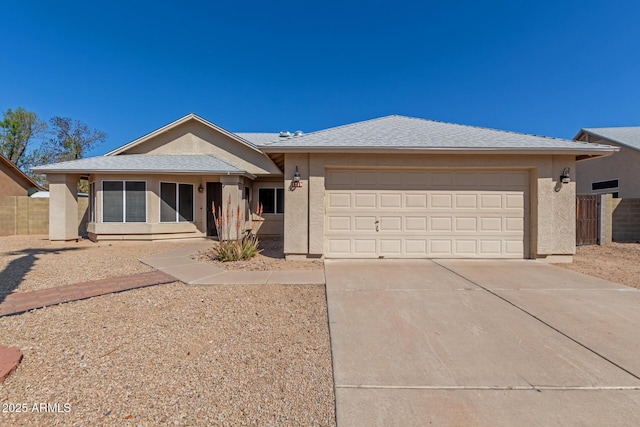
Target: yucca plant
(240,248)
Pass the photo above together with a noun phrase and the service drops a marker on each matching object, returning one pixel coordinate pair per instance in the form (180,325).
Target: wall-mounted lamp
(200,188)
(296,182)
(565,178)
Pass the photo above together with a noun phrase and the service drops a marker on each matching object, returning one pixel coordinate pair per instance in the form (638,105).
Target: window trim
(275,200)
(93,199)
(124,201)
(605,189)
(193,207)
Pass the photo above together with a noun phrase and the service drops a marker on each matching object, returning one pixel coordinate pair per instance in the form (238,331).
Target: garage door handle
(376,223)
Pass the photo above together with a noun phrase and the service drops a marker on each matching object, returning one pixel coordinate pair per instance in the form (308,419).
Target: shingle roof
(628,136)
(259,138)
(145,163)
(413,133)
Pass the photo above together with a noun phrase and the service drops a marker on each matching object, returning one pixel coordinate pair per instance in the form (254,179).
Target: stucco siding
(623,166)
(11,183)
(551,228)
(196,138)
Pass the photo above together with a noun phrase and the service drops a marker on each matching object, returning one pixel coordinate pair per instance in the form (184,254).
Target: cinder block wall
(625,219)
(22,215)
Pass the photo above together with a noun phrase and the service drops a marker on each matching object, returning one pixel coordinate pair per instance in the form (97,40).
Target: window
(603,185)
(124,201)
(92,202)
(176,202)
(272,200)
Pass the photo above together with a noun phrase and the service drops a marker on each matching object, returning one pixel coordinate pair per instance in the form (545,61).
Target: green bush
(236,250)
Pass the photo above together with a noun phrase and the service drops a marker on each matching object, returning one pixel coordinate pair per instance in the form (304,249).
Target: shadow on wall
(14,273)
(625,220)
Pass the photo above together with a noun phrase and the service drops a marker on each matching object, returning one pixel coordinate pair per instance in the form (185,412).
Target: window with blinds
(124,201)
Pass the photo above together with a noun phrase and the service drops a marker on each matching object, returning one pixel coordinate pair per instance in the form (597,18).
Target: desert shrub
(236,250)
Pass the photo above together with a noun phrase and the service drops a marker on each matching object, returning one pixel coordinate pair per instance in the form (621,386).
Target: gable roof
(149,163)
(411,134)
(627,136)
(180,121)
(27,182)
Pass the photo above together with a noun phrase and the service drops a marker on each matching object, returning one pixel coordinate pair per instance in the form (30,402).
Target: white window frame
(124,200)
(275,200)
(193,207)
(93,199)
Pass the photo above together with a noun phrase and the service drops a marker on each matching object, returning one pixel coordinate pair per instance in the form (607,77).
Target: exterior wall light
(565,178)
(296,182)
(200,188)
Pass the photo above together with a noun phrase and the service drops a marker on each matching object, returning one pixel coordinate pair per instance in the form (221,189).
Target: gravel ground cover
(175,354)
(170,354)
(617,262)
(271,258)
(29,263)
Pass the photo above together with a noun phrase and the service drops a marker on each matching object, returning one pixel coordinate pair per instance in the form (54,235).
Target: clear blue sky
(127,68)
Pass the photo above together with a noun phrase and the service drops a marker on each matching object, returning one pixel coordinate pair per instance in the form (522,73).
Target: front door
(214,198)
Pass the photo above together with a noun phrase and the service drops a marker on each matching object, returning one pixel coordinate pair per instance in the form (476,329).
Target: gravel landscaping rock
(271,258)
(617,262)
(175,354)
(169,354)
(29,263)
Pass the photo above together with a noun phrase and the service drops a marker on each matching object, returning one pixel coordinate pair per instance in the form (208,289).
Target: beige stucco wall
(622,166)
(11,183)
(551,218)
(195,138)
(63,206)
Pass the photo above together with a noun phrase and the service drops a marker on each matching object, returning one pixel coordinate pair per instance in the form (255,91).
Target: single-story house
(395,187)
(14,182)
(618,174)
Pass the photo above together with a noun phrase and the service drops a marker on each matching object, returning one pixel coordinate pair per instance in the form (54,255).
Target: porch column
(63,206)
(232,188)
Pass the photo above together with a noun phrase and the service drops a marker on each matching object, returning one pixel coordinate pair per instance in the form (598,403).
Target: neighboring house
(14,182)
(618,174)
(395,187)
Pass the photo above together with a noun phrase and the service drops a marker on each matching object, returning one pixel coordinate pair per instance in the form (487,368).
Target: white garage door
(426,214)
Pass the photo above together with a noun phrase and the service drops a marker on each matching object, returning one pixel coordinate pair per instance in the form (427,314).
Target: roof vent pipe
(285,134)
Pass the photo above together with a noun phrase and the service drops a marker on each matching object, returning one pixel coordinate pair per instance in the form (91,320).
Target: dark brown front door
(214,198)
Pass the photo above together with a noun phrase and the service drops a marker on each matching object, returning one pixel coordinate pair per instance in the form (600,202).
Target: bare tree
(72,139)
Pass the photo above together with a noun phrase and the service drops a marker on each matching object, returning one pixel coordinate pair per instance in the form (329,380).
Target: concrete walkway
(179,264)
(491,343)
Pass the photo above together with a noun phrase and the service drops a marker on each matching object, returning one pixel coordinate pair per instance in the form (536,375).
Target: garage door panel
(365,247)
(418,201)
(339,200)
(415,224)
(466,224)
(440,201)
(390,200)
(390,247)
(491,201)
(364,223)
(390,223)
(466,201)
(448,214)
(365,200)
(339,223)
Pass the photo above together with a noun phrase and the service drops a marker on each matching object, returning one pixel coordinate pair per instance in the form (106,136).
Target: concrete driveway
(481,343)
